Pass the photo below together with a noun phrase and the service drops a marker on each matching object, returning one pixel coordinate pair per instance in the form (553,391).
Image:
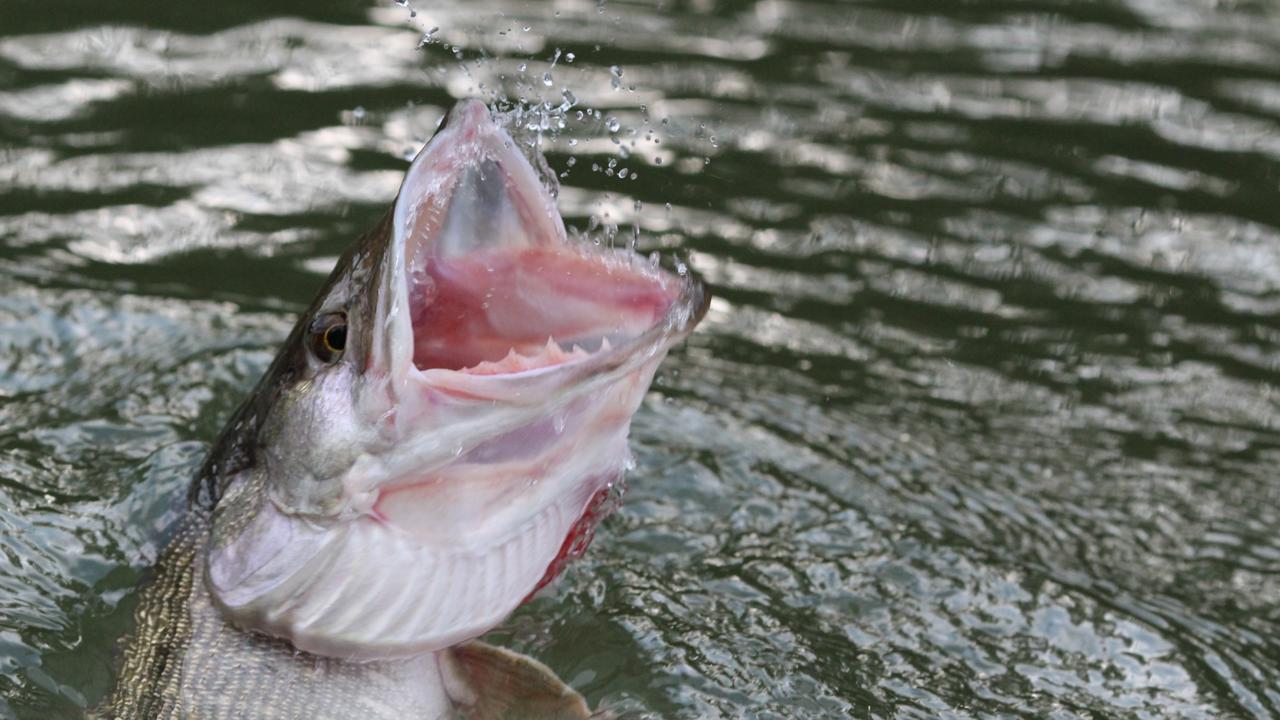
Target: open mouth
(492,285)
(489,427)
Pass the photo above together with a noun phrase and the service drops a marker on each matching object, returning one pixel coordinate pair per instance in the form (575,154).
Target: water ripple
(981,420)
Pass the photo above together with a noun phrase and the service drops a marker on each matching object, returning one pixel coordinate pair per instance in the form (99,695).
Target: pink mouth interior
(510,310)
(494,287)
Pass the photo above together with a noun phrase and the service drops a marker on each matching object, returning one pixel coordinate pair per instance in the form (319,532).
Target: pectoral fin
(491,683)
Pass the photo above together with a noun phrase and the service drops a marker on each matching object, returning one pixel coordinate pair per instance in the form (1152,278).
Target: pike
(438,437)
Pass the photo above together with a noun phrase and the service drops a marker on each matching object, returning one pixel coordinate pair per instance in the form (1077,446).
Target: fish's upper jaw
(481,278)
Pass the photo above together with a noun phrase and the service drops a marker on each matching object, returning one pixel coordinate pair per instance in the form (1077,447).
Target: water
(980,423)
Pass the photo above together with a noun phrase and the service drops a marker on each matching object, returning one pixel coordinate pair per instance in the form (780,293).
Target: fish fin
(492,683)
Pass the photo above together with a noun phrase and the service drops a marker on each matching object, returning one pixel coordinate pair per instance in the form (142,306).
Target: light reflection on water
(981,420)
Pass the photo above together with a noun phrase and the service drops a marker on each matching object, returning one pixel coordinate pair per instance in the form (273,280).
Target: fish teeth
(512,358)
(520,358)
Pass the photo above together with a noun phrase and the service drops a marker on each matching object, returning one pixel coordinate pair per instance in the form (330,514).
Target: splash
(574,111)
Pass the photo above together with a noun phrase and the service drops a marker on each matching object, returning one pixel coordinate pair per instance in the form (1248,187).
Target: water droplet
(569,57)
(615,70)
(613,124)
(546,79)
(522,67)
(427,38)
(623,173)
(573,141)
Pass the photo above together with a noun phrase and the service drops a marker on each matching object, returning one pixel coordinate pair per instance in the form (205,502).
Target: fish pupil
(335,338)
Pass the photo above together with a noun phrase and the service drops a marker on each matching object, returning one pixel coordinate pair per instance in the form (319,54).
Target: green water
(980,424)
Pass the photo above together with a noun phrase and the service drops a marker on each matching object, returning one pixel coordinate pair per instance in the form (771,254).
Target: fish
(438,437)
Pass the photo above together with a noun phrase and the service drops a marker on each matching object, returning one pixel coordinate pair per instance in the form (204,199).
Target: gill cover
(411,495)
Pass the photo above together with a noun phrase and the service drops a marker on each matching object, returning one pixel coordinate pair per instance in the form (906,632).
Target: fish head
(437,435)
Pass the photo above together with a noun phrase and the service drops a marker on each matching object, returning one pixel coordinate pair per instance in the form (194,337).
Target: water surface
(981,422)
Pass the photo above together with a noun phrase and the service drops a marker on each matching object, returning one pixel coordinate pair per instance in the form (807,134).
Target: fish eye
(329,336)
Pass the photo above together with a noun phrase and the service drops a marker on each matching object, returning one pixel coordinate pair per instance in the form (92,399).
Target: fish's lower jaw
(448,550)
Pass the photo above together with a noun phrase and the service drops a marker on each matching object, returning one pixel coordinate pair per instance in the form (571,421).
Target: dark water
(982,422)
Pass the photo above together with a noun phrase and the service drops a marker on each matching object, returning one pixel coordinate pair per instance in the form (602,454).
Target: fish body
(438,436)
